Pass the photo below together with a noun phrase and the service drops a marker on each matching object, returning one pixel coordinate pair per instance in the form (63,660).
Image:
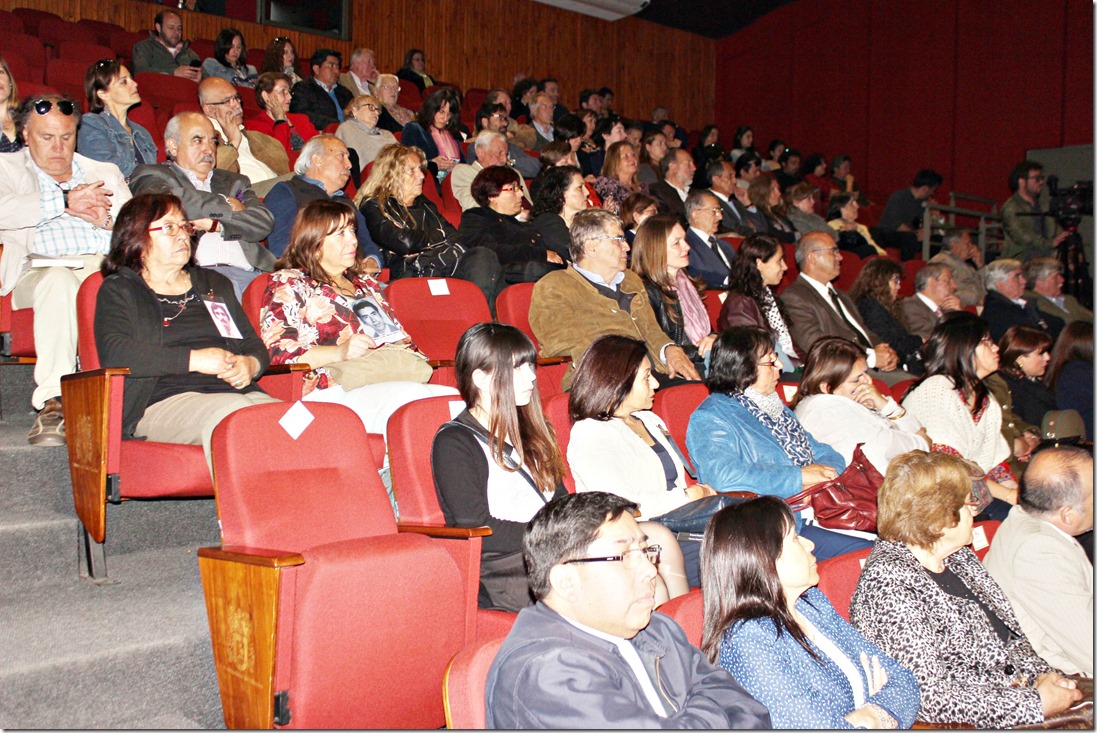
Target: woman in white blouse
(839,404)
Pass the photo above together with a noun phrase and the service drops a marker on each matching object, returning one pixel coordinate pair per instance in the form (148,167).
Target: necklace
(180,304)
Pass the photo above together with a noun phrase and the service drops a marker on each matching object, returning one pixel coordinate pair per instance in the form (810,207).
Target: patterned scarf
(693,310)
(775,417)
(773,317)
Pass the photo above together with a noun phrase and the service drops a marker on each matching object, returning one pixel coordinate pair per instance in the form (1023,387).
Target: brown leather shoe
(49,427)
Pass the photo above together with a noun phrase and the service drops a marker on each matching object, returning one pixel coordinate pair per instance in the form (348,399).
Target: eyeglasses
(1036,178)
(171,228)
(64,106)
(628,558)
(509,188)
(370,107)
(825,250)
(280,39)
(618,240)
(776,364)
(226,100)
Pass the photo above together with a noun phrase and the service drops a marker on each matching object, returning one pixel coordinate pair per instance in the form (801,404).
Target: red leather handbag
(847,502)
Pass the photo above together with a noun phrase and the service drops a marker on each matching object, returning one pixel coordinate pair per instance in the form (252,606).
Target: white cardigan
(605,455)
(941,409)
(842,423)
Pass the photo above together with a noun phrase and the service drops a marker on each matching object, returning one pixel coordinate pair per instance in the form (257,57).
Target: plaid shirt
(63,234)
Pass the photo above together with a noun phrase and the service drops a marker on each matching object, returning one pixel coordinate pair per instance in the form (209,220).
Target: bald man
(255,155)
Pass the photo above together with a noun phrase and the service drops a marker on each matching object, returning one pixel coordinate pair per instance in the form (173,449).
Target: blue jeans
(831,544)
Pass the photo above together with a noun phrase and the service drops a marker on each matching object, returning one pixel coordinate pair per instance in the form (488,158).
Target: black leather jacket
(674,327)
(408,232)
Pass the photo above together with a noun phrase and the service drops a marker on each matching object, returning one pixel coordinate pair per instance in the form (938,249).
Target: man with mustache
(230,218)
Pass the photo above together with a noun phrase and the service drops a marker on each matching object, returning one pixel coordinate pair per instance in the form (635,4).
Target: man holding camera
(1029,232)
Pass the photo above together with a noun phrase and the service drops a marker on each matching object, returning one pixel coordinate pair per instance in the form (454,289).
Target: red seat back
(203,47)
(122,42)
(411,431)
(28,48)
(165,90)
(689,611)
(252,302)
(100,30)
(713,304)
(464,684)
(910,269)
(435,312)
(83,51)
(67,76)
(787,390)
(900,389)
(409,96)
(838,578)
(851,268)
(85,321)
(556,412)
(793,271)
(982,533)
(52,32)
(144,114)
(512,306)
(675,405)
(10,22)
(32,18)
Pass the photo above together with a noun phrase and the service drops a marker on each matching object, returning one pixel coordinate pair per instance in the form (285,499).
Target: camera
(1068,205)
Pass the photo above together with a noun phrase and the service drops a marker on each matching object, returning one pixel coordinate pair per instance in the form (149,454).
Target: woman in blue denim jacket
(105,132)
(780,637)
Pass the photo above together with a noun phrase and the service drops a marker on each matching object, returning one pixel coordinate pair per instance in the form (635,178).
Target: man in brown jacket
(255,155)
(597,295)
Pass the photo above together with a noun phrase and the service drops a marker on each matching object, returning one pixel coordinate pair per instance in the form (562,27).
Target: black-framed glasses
(64,106)
(370,107)
(172,228)
(628,558)
(226,100)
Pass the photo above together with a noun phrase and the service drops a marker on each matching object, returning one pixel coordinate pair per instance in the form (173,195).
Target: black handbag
(693,516)
(437,260)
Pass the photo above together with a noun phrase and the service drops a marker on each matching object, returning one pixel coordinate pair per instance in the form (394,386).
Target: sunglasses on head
(64,106)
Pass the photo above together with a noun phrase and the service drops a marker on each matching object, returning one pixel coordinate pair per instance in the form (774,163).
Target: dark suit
(920,319)
(669,200)
(249,227)
(1000,313)
(732,220)
(309,98)
(706,264)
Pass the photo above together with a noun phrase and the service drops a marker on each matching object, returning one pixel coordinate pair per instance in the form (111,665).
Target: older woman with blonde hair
(360,132)
(926,600)
(618,178)
(9,102)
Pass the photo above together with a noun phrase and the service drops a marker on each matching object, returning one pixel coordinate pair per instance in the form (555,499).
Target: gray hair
(314,147)
(953,237)
(359,53)
(1040,267)
(929,270)
(385,77)
(998,271)
(486,138)
(588,226)
(670,159)
(1053,479)
(809,242)
(697,200)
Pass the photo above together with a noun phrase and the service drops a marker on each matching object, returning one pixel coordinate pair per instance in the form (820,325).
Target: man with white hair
(964,258)
(321,171)
(1041,567)
(362,77)
(491,149)
(393,116)
(1005,304)
(1044,277)
(934,295)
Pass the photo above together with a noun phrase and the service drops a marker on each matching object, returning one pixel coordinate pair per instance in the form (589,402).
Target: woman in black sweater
(874,291)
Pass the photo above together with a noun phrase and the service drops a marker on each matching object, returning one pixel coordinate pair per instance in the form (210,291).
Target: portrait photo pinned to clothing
(376,323)
(222,318)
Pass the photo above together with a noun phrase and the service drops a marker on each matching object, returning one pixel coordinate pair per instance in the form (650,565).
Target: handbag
(436,260)
(693,516)
(847,502)
(387,363)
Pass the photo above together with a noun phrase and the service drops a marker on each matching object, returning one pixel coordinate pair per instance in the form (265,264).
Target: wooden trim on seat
(442,531)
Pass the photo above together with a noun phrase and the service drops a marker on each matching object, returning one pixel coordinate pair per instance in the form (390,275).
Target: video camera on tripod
(1067,206)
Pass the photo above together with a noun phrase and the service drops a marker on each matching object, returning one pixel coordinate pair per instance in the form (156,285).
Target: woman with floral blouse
(321,309)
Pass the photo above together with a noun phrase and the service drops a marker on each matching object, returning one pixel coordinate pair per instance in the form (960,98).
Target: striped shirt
(59,233)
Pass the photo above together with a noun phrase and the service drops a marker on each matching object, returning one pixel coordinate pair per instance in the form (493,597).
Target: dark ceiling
(711,18)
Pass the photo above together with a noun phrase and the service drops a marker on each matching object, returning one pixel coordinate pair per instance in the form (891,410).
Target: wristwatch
(65,196)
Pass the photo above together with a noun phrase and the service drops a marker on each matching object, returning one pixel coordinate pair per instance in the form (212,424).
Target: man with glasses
(817,309)
(322,97)
(363,73)
(165,51)
(490,148)
(1028,236)
(53,204)
(591,653)
(493,116)
(259,157)
(934,295)
(1005,304)
(230,219)
(597,295)
(709,258)
(393,116)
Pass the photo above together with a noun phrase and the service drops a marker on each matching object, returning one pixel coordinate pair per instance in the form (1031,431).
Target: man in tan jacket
(597,295)
(255,155)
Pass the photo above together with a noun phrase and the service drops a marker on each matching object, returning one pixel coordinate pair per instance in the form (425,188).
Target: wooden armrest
(252,556)
(439,530)
(435,363)
(96,374)
(286,369)
(740,494)
(551,360)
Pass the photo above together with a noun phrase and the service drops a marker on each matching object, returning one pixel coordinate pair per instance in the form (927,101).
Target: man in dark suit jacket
(678,169)
(322,97)
(720,177)
(813,312)
(222,204)
(709,258)
(934,295)
(1005,305)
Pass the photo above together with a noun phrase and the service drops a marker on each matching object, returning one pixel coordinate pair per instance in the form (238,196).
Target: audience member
(953,403)
(934,295)
(414,70)
(875,291)
(187,370)
(281,57)
(106,133)
(634,132)
(569,129)
(9,103)
(634,211)
(608,131)
(525,90)
(1023,362)
(494,452)
(748,166)
(653,148)
(321,97)
(493,116)
(1005,304)
(816,308)
(789,174)
(618,176)
(491,150)
(841,180)
(360,132)
(57,204)
(801,210)
(436,132)
(1070,373)
(765,196)
(393,116)
(710,258)
(592,99)
(926,600)
(706,151)
(551,87)
(230,60)
(677,169)
(964,258)
(781,638)
(542,118)
(322,171)
(839,404)
(741,142)
(292,129)
(1028,230)
(165,51)
(589,118)
(815,169)
(572,658)
(757,269)
(743,437)
(361,79)
(1044,282)
(560,197)
(521,135)
(773,156)
(257,156)
(853,237)
(222,206)
(1041,567)
(721,179)
(906,211)
(661,256)
(597,295)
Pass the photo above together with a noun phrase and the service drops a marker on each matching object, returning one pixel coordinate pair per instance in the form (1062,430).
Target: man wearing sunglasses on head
(53,204)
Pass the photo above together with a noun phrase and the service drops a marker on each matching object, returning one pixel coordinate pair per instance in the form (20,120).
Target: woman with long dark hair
(852,236)
(1023,363)
(769,626)
(414,69)
(653,148)
(765,195)
(437,131)
(281,56)
(230,60)
(876,291)
(741,142)
(497,462)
